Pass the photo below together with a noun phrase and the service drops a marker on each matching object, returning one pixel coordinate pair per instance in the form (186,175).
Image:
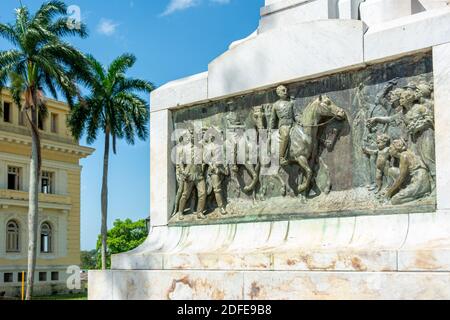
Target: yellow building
(59,201)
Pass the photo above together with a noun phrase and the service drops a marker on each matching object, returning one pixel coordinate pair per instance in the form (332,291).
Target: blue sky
(171,39)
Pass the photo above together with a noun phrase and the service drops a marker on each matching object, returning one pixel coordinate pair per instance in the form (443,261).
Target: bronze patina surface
(353,143)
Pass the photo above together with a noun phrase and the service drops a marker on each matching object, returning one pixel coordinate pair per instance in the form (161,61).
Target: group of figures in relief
(399,145)
(396,141)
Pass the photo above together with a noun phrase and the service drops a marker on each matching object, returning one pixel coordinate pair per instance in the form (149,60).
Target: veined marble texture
(267,285)
(373,257)
(402,242)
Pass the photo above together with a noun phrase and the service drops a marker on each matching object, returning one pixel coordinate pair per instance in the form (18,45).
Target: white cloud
(107,27)
(179,5)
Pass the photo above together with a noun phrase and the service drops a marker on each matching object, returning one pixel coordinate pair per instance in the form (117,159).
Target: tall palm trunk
(104,230)
(35,168)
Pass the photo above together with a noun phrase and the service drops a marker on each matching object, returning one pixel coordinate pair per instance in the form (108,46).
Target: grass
(78,296)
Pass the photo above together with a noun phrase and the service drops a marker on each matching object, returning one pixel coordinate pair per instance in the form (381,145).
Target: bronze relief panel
(353,143)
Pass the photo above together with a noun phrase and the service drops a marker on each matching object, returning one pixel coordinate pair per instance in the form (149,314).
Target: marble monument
(308,162)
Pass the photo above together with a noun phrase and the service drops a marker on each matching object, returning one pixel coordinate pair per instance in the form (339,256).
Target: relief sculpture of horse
(257,119)
(303,146)
(304,140)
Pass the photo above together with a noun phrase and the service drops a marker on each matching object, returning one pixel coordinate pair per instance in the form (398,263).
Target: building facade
(58,244)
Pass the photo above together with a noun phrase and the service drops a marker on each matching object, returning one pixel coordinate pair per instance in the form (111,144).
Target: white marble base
(257,285)
(401,242)
(404,256)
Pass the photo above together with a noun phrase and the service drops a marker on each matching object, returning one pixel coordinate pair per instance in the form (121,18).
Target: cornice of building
(74,149)
(50,102)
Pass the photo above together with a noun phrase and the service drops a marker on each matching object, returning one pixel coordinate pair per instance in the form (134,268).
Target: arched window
(46,238)
(12,237)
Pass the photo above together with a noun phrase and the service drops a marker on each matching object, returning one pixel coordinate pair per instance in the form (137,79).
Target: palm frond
(61,28)
(135,85)
(113,105)
(133,113)
(3,80)
(97,68)
(10,58)
(51,85)
(17,87)
(9,33)
(120,65)
(22,20)
(94,123)
(62,52)
(77,120)
(48,11)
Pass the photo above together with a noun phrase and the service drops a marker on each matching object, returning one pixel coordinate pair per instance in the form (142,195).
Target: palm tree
(40,61)
(114,108)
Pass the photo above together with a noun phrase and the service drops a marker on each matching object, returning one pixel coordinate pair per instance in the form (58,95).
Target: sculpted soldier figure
(412,179)
(178,172)
(283,114)
(216,170)
(235,126)
(192,175)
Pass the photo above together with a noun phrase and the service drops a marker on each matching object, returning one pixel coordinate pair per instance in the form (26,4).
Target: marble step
(275,285)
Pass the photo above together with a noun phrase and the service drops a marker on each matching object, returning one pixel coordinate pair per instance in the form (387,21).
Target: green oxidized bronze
(353,143)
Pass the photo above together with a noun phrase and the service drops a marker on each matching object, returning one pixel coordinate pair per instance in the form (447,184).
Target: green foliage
(124,236)
(41,60)
(88,260)
(75,296)
(112,105)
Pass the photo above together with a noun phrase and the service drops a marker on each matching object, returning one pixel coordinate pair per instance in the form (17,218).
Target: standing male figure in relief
(283,114)
(193,176)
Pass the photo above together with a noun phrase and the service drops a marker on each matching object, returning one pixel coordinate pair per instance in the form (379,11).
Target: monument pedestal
(268,285)
(385,257)
(402,252)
